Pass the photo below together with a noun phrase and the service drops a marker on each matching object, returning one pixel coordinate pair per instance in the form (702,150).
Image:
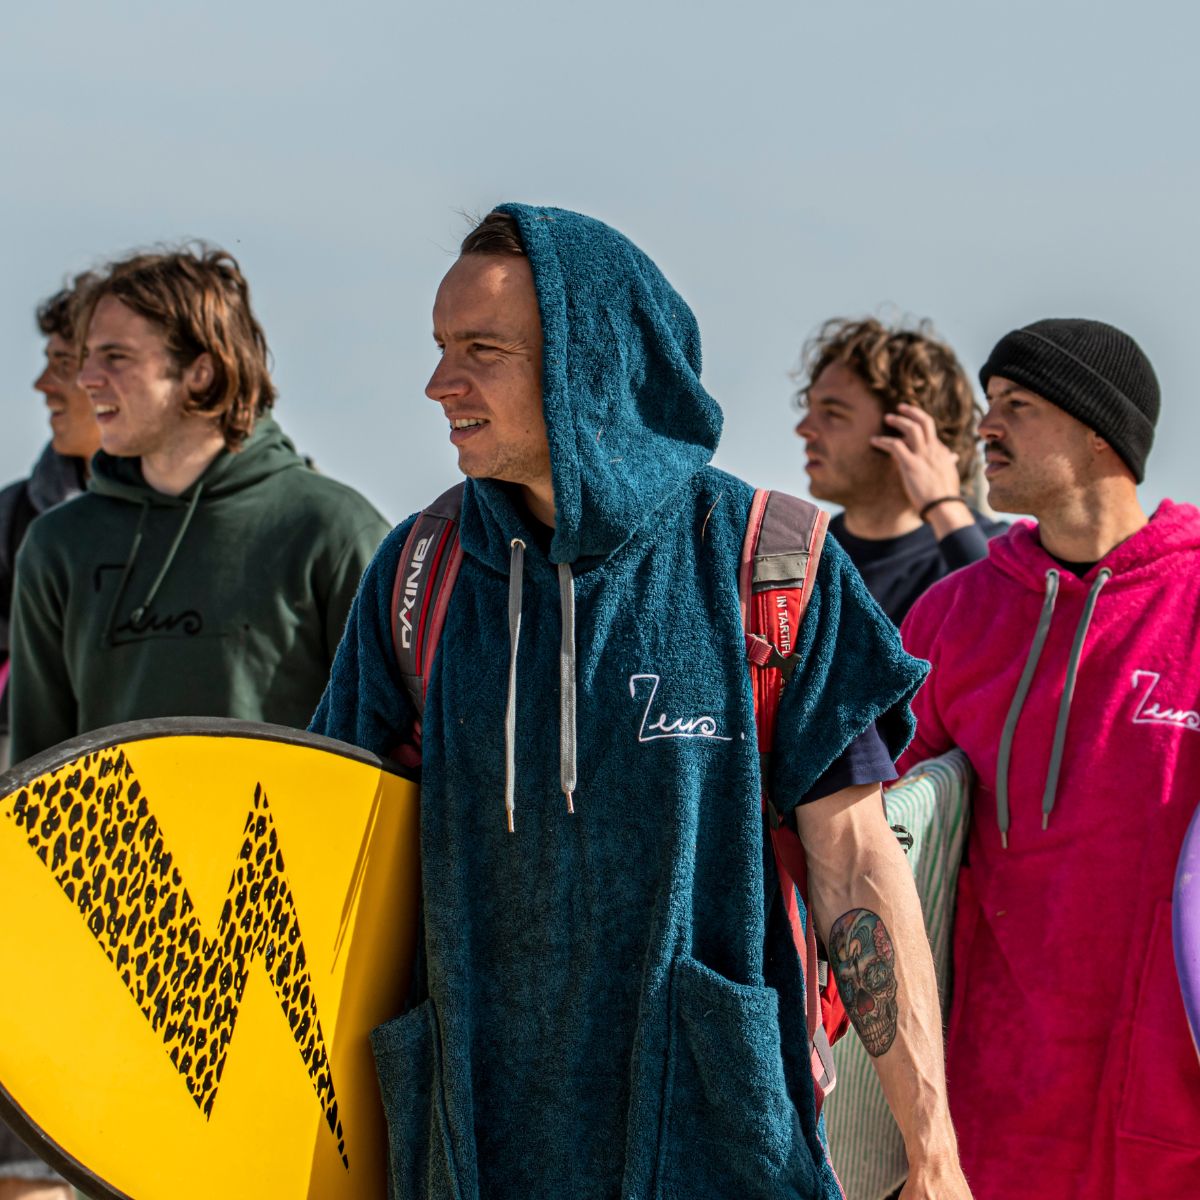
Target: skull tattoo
(864,964)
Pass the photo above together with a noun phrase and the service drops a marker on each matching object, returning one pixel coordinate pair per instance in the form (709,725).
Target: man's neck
(539,500)
(173,470)
(1086,526)
(878,520)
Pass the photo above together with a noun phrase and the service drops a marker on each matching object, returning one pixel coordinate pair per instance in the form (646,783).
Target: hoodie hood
(627,417)
(1173,529)
(266,452)
(55,478)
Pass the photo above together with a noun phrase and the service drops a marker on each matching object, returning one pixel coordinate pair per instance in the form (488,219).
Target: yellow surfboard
(200,922)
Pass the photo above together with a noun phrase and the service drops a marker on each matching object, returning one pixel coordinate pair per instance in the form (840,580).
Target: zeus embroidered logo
(1152,713)
(674,727)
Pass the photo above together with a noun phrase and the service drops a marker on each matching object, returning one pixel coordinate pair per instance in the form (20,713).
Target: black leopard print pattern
(92,825)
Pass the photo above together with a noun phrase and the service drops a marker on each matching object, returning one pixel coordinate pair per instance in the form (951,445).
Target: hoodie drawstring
(141,610)
(567,740)
(1049,795)
(516,580)
(566,679)
(130,559)
(1064,705)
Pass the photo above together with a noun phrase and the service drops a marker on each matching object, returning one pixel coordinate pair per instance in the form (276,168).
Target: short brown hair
(54,314)
(902,365)
(197,296)
(497,233)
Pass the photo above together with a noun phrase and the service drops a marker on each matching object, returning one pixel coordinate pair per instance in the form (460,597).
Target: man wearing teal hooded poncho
(608,1001)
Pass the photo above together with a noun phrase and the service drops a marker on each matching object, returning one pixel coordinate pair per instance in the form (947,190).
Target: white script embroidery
(695,727)
(1152,714)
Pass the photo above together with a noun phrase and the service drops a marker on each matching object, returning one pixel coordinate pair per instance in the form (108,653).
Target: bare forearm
(866,905)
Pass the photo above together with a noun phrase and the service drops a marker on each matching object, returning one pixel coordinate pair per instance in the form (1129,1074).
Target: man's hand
(928,468)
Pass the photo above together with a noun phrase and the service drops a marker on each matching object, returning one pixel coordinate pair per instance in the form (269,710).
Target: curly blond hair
(901,365)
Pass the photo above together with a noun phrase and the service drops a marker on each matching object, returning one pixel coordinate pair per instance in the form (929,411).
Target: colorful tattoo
(864,964)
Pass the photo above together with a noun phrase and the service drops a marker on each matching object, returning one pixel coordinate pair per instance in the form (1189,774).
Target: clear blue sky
(982,164)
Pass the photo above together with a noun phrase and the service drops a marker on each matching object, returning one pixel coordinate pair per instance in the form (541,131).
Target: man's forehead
(999,388)
(486,294)
(113,321)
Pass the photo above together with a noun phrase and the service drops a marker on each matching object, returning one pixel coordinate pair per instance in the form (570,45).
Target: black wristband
(928,508)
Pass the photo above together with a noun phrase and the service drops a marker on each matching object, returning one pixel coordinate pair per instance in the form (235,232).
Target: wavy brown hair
(198,298)
(903,365)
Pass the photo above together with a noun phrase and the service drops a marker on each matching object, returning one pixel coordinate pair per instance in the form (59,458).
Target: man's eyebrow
(1008,390)
(475,335)
(829,401)
(105,347)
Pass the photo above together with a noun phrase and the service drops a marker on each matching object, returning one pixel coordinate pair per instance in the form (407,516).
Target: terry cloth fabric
(611,1007)
(864,1139)
(898,570)
(228,600)
(1069,1058)
(1094,372)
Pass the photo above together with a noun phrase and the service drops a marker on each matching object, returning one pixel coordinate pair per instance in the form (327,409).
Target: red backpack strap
(425,578)
(780,557)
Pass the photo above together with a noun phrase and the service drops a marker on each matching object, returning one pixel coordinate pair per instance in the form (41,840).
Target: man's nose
(89,378)
(445,383)
(803,429)
(44,383)
(989,429)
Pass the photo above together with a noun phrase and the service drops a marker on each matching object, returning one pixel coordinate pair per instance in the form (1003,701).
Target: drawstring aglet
(570,802)
(1003,840)
(509,815)
(1045,821)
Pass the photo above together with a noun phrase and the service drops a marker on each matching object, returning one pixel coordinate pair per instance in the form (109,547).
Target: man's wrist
(946,514)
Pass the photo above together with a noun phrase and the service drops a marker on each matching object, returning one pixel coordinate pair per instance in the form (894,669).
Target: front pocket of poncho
(730,1128)
(408,1063)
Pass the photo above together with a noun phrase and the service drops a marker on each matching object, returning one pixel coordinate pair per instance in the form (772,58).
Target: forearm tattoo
(864,965)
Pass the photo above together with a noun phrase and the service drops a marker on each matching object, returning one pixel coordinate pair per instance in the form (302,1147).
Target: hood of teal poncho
(628,419)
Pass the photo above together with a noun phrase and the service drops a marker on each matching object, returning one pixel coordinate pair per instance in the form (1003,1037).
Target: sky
(983,165)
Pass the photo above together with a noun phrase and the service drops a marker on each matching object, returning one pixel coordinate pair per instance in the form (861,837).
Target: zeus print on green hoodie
(227,600)
(610,1002)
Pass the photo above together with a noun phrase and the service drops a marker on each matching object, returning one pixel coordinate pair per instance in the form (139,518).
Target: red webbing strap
(775,582)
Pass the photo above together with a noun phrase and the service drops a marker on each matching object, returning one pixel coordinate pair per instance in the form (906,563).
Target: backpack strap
(425,578)
(780,557)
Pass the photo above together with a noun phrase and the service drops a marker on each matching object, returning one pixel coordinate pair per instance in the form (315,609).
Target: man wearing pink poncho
(1065,665)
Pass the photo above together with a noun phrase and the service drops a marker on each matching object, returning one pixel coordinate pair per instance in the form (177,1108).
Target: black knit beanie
(1094,372)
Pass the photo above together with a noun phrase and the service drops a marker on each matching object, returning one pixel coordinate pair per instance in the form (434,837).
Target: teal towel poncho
(611,1004)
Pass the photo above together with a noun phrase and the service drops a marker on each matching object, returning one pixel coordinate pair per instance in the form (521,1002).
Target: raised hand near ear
(928,469)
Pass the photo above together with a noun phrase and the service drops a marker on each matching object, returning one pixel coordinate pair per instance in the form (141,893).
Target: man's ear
(199,374)
(1099,445)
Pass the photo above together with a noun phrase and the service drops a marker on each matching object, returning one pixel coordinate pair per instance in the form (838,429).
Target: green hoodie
(227,600)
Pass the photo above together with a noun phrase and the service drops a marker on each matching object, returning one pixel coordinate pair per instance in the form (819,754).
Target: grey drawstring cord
(566,678)
(1064,706)
(1018,701)
(516,578)
(567,734)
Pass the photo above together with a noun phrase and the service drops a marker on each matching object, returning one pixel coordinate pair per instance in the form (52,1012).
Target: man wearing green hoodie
(208,569)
